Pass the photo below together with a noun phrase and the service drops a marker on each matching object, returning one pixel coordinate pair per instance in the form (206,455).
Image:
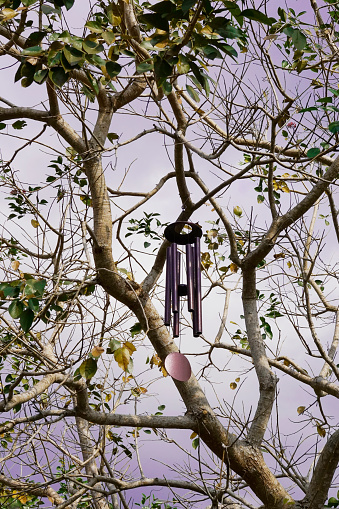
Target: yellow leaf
(108,397)
(234,267)
(15,265)
(135,433)
(233,386)
(237,379)
(137,391)
(321,431)
(110,435)
(237,211)
(127,379)
(162,44)
(104,72)
(211,234)
(194,434)
(163,370)
(155,360)
(114,20)
(122,356)
(289,265)
(130,346)
(286,362)
(301,410)
(97,351)
(233,323)
(32,60)
(8,14)
(34,223)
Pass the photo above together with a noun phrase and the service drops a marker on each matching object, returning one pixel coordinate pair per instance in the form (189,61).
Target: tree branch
(323,474)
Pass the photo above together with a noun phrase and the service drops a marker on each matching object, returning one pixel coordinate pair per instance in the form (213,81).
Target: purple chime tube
(197,313)
(167,319)
(176,315)
(174,278)
(190,277)
(174,289)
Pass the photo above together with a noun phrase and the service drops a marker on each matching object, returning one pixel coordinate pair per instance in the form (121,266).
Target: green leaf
(40,286)
(257,16)
(47,9)
(162,70)
(155,20)
(108,37)
(324,100)
(28,3)
(73,56)
(274,314)
(113,69)
(299,39)
(195,443)
(112,137)
(40,76)
(167,87)
(260,198)
(34,51)
(33,304)
(135,329)
(94,26)
(147,244)
(58,76)
(145,66)
(88,368)
(92,47)
(313,152)
(310,108)
(334,127)
(192,93)
(183,65)
(26,319)
(113,345)
(16,308)
(233,8)
(68,4)
(187,4)
(19,124)
(2,126)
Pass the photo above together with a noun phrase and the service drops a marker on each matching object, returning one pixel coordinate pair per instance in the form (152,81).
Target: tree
(236,96)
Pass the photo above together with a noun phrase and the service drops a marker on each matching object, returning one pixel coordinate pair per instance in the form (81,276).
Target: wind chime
(174,288)
(176,363)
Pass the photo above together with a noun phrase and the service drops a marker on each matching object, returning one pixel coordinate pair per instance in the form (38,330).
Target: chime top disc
(182,238)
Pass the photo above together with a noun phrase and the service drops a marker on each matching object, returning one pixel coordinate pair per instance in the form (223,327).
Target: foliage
(117,121)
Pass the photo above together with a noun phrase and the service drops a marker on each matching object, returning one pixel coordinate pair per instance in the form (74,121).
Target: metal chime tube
(174,289)
(174,278)
(176,316)
(197,315)
(190,277)
(167,319)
